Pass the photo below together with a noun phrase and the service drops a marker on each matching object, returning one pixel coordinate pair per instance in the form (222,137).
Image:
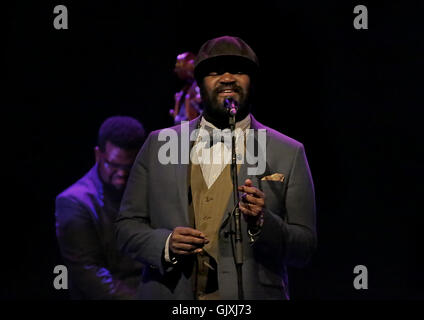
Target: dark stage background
(353,97)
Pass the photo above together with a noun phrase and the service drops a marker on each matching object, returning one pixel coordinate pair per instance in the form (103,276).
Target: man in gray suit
(175,215)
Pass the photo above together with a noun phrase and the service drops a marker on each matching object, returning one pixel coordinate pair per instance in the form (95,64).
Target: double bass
(187,101)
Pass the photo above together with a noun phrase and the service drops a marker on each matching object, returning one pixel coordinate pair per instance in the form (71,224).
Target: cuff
(167,253)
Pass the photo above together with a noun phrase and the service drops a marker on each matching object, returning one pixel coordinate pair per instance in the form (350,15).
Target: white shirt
(214,159)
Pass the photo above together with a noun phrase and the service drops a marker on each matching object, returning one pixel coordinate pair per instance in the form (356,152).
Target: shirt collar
(242,124)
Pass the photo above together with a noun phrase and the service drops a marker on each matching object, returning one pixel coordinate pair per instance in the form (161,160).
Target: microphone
(231,105)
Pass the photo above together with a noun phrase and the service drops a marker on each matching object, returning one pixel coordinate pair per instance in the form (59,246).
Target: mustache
(235,88)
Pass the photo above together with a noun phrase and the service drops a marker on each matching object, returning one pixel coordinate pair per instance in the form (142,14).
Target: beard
(214,109)
(113,192)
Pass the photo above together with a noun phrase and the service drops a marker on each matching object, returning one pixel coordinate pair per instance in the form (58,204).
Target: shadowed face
(219,86)
(114,165)
(184,68)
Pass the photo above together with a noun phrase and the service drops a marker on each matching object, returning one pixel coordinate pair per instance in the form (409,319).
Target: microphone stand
(238,248)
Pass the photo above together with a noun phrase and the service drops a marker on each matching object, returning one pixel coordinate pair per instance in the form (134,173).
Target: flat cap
(225,52)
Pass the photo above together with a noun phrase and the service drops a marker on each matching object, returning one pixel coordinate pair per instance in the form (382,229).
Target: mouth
(120,181)
(227,92)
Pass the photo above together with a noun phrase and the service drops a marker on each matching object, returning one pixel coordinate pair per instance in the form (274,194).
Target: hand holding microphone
(252,204)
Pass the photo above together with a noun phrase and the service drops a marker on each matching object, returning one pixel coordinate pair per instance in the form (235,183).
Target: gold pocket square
(274,177)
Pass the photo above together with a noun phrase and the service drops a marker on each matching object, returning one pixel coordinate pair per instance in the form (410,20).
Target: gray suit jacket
(156,201)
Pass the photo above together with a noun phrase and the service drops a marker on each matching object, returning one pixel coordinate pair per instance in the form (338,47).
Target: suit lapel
(243,174)
(181,169)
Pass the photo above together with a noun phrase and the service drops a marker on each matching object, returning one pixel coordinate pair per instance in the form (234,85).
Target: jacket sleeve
(135,235)
(82,253)
(292,239)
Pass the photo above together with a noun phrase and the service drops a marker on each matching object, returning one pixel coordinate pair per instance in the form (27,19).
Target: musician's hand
(187,241)
(252,203)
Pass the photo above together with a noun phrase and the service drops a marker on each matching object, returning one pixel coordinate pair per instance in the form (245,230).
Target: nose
(227,78)
(122,173)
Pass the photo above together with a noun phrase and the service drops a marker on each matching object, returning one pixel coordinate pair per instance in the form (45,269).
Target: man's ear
(97,153)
